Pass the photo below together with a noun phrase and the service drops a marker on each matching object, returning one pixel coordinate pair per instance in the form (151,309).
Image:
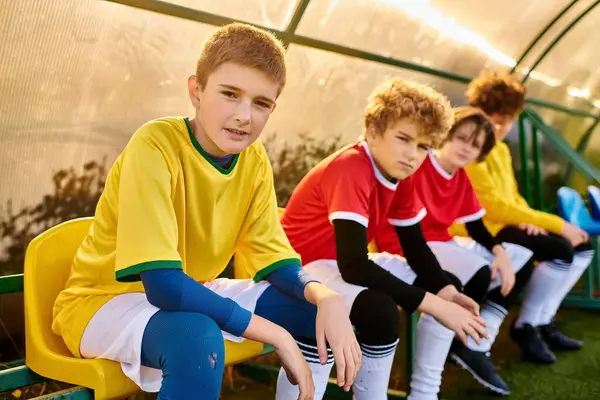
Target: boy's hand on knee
(296,367)
(574,234)
(334,327)
(462,322)
(503,265)
(447,292)
(532,230)
(451,294)
(467,303)
(454,317)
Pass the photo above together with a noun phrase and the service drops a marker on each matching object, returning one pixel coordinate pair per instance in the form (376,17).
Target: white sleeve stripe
(364,221)
(410,221)
(470,218)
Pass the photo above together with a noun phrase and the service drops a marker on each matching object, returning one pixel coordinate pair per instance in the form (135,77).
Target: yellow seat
(372,247)
(47,265)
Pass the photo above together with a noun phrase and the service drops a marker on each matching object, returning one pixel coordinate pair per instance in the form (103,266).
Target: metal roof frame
(289,36)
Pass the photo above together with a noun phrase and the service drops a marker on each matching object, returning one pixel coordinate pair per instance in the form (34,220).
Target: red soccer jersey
(446,197)
(346,185)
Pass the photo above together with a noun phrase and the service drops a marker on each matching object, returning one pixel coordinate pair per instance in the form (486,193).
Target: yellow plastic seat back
(372,247)
(47,265)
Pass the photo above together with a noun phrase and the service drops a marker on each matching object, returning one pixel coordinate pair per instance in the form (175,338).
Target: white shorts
(328,273)
(463,257)
(115,332)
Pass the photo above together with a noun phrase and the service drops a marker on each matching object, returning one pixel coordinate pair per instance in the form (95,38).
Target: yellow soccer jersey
(494,182)
(167,205)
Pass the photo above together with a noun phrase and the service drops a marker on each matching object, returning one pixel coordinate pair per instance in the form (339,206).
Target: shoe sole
(567,349)
(564,348)
(479,379)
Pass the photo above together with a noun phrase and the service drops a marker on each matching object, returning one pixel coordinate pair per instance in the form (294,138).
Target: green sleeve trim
(260,275)
(132,274)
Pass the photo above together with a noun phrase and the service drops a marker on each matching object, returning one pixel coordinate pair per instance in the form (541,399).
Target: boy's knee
(454,281)
(296,316)
(483,277)
(183,341)
(188,333)
(197,341)
(197,328)
(477,287)
(564,251)
(376,318)
(584,247)
(304,315)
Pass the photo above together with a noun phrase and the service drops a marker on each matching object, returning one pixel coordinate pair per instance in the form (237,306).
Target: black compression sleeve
(356,268)
(480,234)
(430,275)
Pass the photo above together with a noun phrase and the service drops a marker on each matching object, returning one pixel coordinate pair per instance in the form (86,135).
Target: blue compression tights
(188,346)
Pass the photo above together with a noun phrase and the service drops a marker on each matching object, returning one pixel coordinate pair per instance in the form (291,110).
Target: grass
(574,376)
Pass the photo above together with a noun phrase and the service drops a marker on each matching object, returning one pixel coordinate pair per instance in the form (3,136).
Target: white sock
(545,281)
(320,373)
(373,378)
(433,345)
(580,263)
(493,314)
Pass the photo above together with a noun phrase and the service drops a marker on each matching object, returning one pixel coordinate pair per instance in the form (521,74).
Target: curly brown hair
(397,99)
(496,93)
(244,45)
(463,115)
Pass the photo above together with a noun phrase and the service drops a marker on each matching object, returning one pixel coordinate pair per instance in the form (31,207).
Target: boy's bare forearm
(314,292)
(264,331)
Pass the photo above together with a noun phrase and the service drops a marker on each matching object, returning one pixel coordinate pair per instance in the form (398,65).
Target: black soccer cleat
(558,340)
(480,366)
(532,345)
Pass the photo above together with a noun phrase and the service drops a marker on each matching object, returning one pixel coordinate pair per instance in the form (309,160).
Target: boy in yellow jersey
(563,249)
(184,197)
